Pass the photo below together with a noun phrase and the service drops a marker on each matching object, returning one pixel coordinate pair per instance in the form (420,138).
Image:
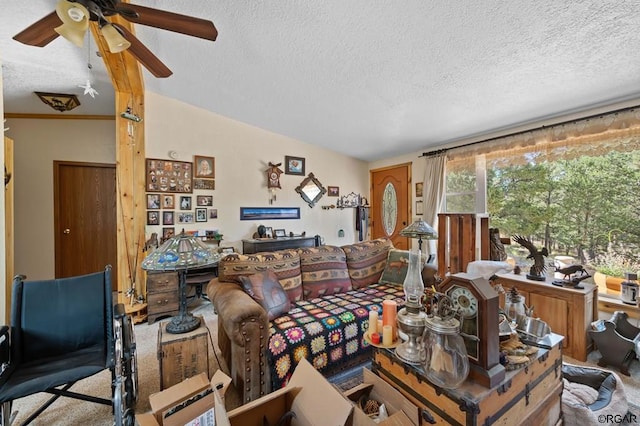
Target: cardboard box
(187,400)
(314,400)
(182,355)
(401,411)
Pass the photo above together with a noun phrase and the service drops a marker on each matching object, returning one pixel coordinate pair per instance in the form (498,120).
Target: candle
(379,328)
(387,335)
(373,322)
(375,338)
(389,315)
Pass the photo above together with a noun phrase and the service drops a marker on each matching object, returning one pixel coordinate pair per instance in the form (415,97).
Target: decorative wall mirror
(311,190)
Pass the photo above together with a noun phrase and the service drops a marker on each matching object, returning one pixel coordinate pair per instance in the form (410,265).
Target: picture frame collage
(170,194)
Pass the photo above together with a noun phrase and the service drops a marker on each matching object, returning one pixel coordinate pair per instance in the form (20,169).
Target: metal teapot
(515,308)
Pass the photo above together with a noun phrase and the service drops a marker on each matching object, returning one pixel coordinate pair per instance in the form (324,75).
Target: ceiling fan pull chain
(88,90)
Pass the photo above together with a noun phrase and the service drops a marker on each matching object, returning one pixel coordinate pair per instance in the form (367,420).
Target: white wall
(37,143)
(242,154)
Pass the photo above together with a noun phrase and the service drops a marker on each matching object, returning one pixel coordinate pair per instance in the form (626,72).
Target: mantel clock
(477,305)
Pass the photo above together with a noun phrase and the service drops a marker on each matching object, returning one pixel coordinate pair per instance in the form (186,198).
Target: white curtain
(432,192)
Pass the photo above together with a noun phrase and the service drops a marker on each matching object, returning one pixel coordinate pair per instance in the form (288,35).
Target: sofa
(329,292)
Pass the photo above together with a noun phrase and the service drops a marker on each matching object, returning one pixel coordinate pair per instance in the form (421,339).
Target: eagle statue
(538,268)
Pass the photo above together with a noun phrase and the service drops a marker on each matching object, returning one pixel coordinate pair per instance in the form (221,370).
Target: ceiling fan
(71,20)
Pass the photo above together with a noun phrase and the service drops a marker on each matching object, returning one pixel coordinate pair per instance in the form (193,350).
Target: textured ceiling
(371,79)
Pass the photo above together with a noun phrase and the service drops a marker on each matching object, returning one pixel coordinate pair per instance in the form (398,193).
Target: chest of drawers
(162,295)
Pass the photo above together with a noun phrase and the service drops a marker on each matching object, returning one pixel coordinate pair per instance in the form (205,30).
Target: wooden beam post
(126,76)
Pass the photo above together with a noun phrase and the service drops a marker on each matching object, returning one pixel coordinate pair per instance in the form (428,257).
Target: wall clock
(273,175)
(477,305)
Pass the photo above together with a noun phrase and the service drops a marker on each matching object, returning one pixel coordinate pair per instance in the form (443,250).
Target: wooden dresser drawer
(163,301)
(163,281)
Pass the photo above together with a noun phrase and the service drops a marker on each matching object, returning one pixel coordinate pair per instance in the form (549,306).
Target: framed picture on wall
(201,215)
(185,217)
(204,200)
(333,191)
(185,203)
(168,176)
(419,208)
(153,201)
(419,186)
(205,166)
(153,217)
(294,165)
(168,201)
(209,184)
(168,233)
(167,218)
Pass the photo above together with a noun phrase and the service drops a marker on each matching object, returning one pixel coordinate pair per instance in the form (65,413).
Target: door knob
(66,231)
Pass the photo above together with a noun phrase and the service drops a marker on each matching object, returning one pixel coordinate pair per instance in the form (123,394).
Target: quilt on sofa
(326,331)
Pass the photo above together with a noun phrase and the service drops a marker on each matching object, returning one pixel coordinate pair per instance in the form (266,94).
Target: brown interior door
(390,203)
(84,218)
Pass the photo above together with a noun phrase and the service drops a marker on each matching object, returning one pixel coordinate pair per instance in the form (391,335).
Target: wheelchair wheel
(124,373)
(5,413)
(130,363)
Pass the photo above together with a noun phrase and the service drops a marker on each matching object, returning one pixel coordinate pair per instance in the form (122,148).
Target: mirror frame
(311,179)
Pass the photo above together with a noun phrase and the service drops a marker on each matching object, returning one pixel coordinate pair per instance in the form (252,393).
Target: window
(573,189)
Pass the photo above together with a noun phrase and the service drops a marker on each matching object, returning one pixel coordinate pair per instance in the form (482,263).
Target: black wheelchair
(62,331)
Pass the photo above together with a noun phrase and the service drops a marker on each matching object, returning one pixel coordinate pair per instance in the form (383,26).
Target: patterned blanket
(326,331)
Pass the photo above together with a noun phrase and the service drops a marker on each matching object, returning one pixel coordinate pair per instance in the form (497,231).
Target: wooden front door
(390,212)
(84,218)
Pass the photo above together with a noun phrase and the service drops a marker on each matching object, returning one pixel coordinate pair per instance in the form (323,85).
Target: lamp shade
(420,229)
(75,21)
(180,252)
(116,41)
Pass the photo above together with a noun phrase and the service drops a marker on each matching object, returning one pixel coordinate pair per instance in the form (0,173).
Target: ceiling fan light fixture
(74,35)
(75,21)
(59,101)
(116,41)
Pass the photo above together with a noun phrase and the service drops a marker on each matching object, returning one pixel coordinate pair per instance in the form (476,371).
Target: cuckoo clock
(273,180)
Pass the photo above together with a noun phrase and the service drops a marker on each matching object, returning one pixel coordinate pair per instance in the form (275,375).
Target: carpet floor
(69,412)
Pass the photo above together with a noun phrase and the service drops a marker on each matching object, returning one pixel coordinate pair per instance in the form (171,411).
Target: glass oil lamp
(412,318)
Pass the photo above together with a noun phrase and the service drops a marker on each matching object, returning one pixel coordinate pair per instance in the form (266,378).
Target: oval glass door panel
(389,209)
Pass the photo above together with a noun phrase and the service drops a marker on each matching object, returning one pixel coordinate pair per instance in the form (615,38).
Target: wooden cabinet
(568,311)
(162,295)
(273,244)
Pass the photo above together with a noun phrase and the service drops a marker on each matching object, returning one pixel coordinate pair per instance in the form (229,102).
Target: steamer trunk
(528,396)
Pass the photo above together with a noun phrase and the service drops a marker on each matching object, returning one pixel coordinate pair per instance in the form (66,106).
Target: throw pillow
(265,289)
(366,261)
(395,270)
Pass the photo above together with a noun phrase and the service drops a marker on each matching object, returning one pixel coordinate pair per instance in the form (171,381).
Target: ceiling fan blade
(40,33)
(144,55)
(170,21)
